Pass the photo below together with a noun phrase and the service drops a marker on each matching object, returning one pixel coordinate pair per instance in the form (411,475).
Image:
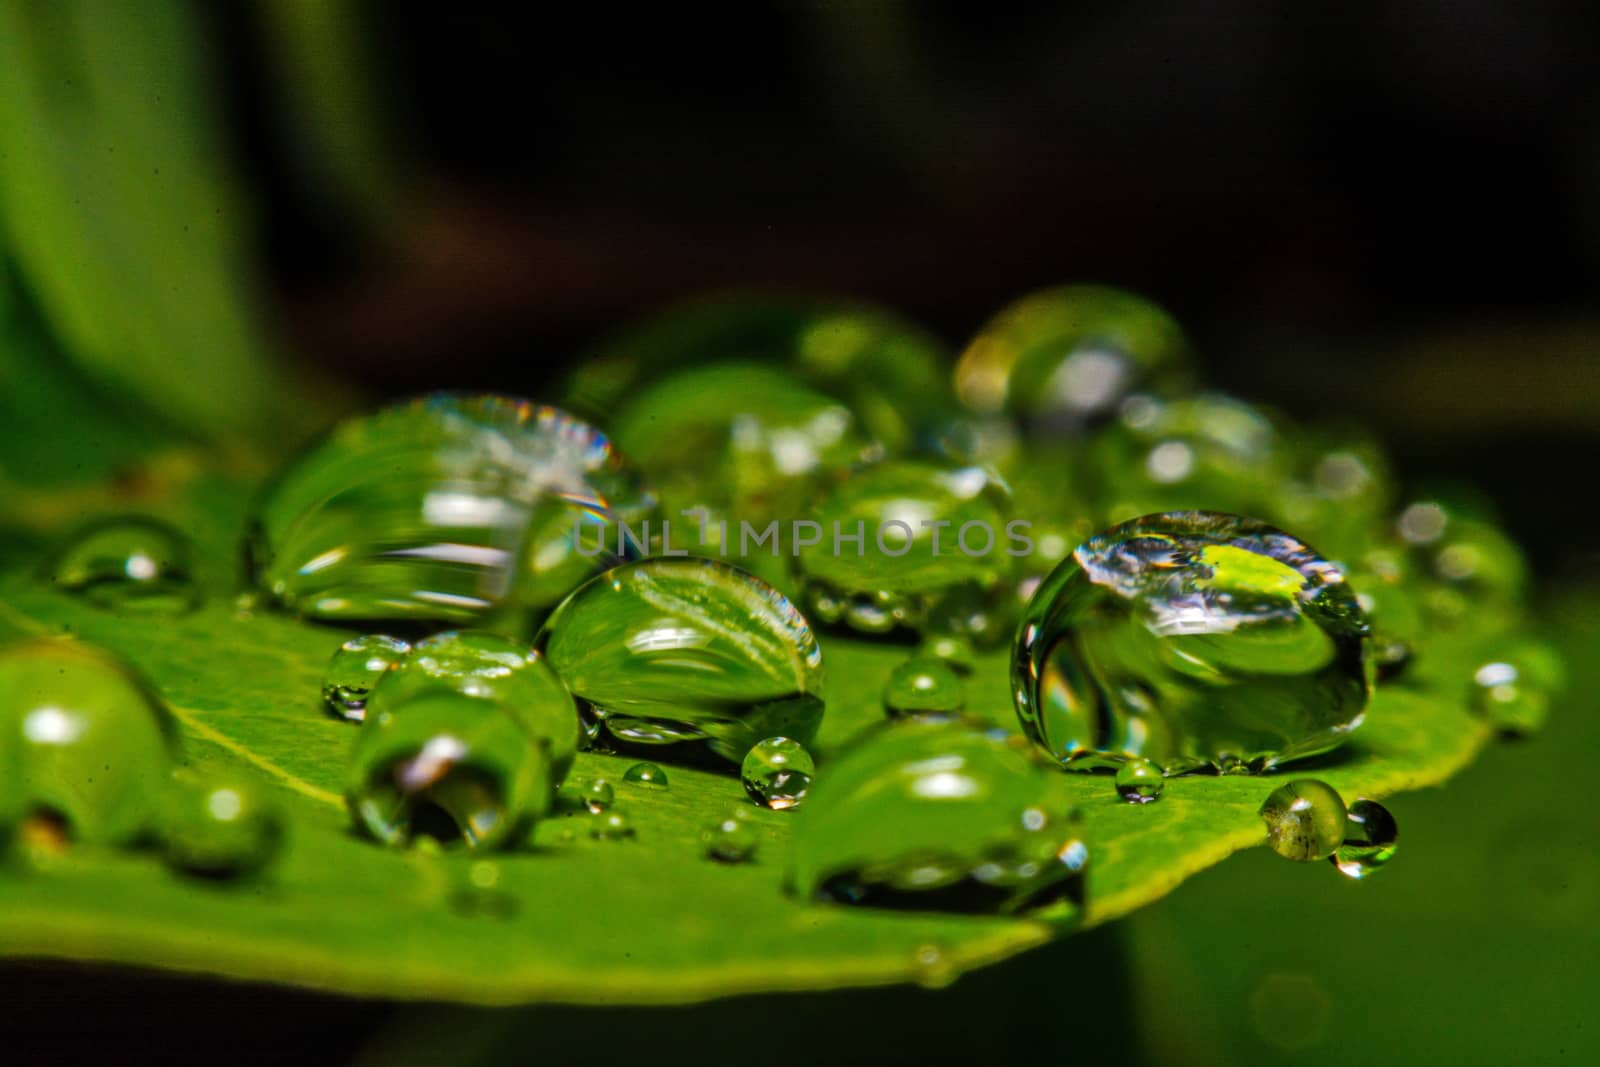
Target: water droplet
(1193,639)
(1065,357)
(646,774)
(1139,781)
(667,652)
(219,828)
(919,685)
(89,743)
(955,652)
(610,826)
(732,838)
(932,553)
(1513,692)
(355,669)
(480,894)
(495,670)
(1465,571)
(1305,820)
(1371,838)
(933,967)
(451,767)
(598,795)
(132,565)
(443,508)
(777,773)
(941,814)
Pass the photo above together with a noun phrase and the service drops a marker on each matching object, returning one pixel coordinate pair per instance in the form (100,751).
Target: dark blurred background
(1387,212)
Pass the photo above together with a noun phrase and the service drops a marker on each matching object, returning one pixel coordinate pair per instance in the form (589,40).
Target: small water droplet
(932,966)
(1139,781)
(956,652)
(1305,820)
(685,651)
(1194,639)
(1371,839)
(481,895)
(132,565)
(646,774)
(777,773)
(1513,692)
(732,838)
(354,669)
(610,826)
(219,828)
(88,742)
(920,685)
(598,795)
(941,814)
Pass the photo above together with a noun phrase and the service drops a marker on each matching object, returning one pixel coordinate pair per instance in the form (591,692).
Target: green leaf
(646,920)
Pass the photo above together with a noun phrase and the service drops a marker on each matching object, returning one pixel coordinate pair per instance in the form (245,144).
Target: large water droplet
(354,669)
(1305,820)
(732,838)
(130,565)
(450,767)
(1371,839)
(777,773)
(911,545)
(1062,358)
(677,651)
(1139,781)
(1192,639)
(920,684)
(939,813)
(219,828)
(443,508)
(646,774)
(89,742)
(497,671)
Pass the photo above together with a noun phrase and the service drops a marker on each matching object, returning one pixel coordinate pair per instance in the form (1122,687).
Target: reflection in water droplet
(219,828)
(777,773)
(686,651)
(443,508)
(1305,820)
(354,669)
(1193,639)
(454,768)
(88,742)
(1371,839)
(732,838)
(1139,781)
(942,814)
(610,826)
(931,555)
(920,685)
(646,774)
(131,565)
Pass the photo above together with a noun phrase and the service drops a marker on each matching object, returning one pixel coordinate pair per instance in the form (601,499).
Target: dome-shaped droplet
(891,374)
(731,839)
(354,669)
(450,767)
(442,508)
(910,545)
(646,774)
(611,825)
(129,565)
(938,813)
(1371,839)
(1305,820)
(675,651)
(777,773)
(90,744)
(1061,358)
(1139,781)
(598,795)
(920,685)
(1192,638)
(219,828)
(493,669)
